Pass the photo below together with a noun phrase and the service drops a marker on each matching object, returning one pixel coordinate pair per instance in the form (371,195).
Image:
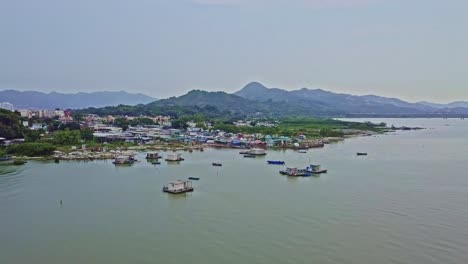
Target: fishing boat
(124,160)
(174,157)
(178,186)
(216,164)
(315,169)
(152,156)
(276,162)
(194,178)
(254,152)
(361,154)
(295,172)
(257,152)
(249,156)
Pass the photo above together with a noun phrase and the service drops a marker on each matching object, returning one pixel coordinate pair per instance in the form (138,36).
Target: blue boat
(276,162)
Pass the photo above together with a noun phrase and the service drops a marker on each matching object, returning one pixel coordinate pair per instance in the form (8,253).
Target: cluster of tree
(31,149)
(327,132)
(174,111)
(10,125)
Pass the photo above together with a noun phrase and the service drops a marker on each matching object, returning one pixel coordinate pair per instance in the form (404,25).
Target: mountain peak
(254,86)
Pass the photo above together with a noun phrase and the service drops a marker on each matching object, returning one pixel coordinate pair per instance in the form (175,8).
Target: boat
(295,172)
(315,169)
(194,178)
(178,186)
(249,156)
(257,152)
(254,152)
(276,162)
(302,150)
(174,157)
(156,163)
(152,156)
(361,154)
(6,158)
(217,164)
(124,160)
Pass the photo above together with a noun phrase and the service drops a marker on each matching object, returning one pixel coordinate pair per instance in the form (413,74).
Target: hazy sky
(412,49)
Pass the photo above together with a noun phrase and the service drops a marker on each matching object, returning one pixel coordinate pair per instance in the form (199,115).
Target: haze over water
(406,202)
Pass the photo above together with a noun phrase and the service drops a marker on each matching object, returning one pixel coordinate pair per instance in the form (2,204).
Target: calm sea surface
(406,202)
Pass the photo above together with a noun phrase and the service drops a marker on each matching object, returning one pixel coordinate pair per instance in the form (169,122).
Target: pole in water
(61,202)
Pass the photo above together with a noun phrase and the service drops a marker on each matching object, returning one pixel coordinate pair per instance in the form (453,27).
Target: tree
(10,125)
(141,121)
(31,149)
(122,122)
(77,116)
(70,126)
(32,135)
(87,134)
(67,137)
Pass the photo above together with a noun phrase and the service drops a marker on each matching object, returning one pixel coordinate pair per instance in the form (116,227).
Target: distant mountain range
(255,99)
(39,100)
(252,100)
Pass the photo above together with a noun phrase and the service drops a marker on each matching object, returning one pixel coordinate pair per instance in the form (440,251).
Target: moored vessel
(176,187)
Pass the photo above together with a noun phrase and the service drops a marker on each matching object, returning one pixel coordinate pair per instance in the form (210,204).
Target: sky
(410,49)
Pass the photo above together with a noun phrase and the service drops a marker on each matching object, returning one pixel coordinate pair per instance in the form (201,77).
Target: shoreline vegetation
(77,145)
